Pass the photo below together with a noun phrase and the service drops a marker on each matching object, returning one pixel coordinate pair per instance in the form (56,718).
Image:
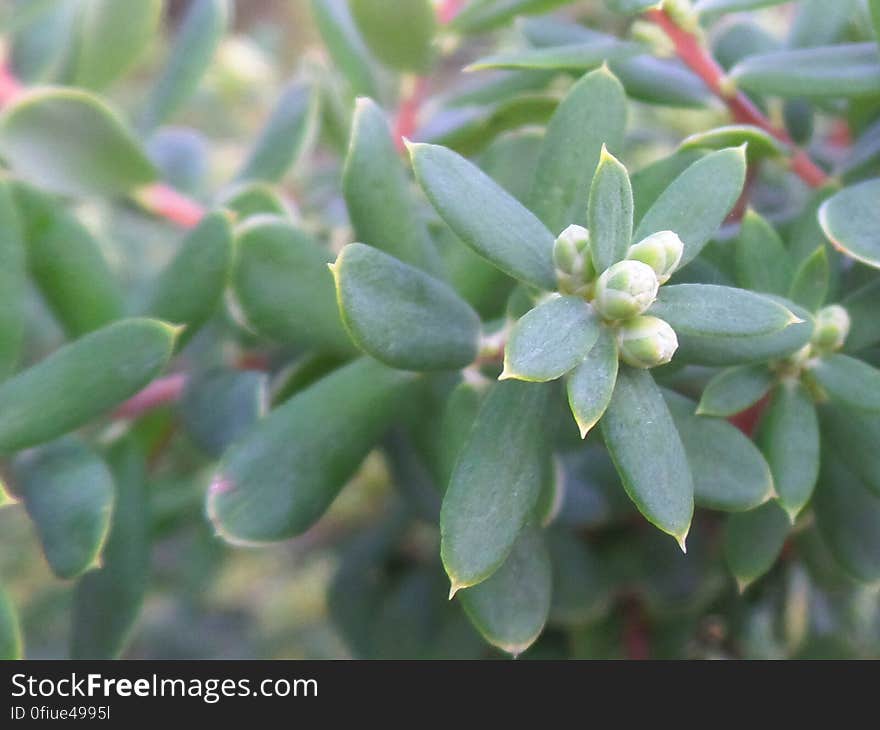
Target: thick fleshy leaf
(851,220)
(706,310)
(67,265)
(641,436)
(190,289)
(611,212)
(13,282)
(82,380)
(11,644)
(696,203)
(511,607)
(253,198)
(283,286)
(789,437)
(68,493)
(853,437)
(862,306)
(200,33)
(287,134)
(809,287)
(380,202)
(278,479)
(650,182)
(399,34)
(581,591)
(496,482)
(847,70)
(591,384)
(483,15)
(570,57)
(753,541)
(848,517)
(401,315)
(219,406)
(848,381)
(592,114)
(551,339)
(70,142)
(112,36)
(484,216)
(108,601)
(345,45)
(735,389)
(762,262)
(729,472)
(760,143)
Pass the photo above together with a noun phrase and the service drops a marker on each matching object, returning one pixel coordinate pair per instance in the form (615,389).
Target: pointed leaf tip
(682,542)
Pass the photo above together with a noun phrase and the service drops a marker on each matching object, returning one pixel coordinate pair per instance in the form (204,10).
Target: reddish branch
(407,118)
(158,393)
(448,10)
(691,51)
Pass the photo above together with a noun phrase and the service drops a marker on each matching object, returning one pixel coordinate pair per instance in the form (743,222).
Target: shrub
(590,332)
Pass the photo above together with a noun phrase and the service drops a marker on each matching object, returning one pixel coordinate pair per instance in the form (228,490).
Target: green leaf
(581,592)
(650,182)
(853,437)
(13,282)
(380,202)
(81,381)
(484,216)
(285,138)
(67,265)
(107,602)
(482,15)
(551,339)
(570,57)
(862,306)
(633,7)
(200,33)
(718,7)
(762,262)
(706,310)
(734,390)
(611,212)
(874,6)
(760,144)
(496,482)
(70,142)
(696,203)
(219,406)
(648,453)
(851,220)
(278,479)
(254,198)
(789,437)
(400,35)
(846,70)
(809,288)
(283,286)
(11,643)
(592,114)
(190,289)
(511,607)
(345,45)
(402,316)
(68,492)
(753,541)
(591,385)
(729,472)
(848,517)
(848,381)
(112,37)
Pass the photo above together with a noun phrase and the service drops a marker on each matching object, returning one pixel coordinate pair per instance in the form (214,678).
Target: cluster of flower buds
(831,329)
(646,342)
(574,262)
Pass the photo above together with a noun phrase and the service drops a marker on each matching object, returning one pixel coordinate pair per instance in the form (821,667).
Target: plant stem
(407,118)
(692,52)
(163,201)
(448,10)
(158,393)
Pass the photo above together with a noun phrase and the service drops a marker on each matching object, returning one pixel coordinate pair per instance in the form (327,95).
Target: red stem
(743,109)
(448,10)
(9,85)
(407,120)
(164,201)
(158,393)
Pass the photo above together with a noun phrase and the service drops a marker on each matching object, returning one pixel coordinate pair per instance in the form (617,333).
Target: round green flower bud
(661,251)
(573,260)
(646,342)
(831,330)
(625,290)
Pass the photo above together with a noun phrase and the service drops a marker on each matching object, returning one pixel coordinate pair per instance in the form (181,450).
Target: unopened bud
(573,259)
(661,251)
(831,328)
(626,290)
(646,342)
